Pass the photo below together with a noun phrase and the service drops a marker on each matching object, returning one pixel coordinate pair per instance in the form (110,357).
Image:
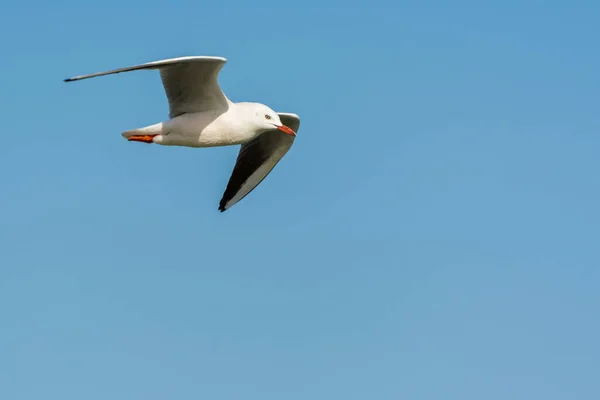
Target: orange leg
(141,138)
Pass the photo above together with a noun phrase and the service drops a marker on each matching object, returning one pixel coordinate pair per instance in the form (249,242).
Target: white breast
(206,129)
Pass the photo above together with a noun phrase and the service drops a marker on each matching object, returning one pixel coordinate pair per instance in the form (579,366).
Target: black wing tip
(222,207)
(68,80)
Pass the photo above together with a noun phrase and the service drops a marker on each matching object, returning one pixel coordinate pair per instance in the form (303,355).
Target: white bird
(200,115)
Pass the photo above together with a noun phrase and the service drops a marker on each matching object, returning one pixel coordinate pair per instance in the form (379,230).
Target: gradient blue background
(434,233)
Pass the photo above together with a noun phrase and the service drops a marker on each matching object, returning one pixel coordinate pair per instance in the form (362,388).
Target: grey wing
(256,160)
(190,83)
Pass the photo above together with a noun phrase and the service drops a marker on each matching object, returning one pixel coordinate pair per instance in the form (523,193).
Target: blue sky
(433,233)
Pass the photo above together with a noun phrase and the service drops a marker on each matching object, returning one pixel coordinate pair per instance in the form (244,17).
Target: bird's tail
(156,129)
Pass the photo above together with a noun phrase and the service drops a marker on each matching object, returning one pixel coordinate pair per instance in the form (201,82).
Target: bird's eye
(267,116)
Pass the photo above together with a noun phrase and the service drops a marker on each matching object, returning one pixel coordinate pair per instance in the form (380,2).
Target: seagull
(200,115)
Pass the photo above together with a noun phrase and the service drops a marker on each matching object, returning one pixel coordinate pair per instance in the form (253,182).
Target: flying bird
(201,115)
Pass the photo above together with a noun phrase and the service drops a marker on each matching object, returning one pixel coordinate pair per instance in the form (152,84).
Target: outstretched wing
(190,83)
(256,160)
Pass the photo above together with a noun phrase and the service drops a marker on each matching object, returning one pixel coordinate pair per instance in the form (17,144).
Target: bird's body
(200,129)
(202,116)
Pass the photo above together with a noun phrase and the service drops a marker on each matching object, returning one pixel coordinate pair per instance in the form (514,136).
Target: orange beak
(286,129)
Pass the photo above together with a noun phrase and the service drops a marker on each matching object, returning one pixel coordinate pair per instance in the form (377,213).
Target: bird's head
(265,119)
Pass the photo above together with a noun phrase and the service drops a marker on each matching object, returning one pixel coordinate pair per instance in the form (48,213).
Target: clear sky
(434,232)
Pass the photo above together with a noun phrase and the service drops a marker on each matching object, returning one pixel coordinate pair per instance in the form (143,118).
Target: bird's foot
(141,138)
